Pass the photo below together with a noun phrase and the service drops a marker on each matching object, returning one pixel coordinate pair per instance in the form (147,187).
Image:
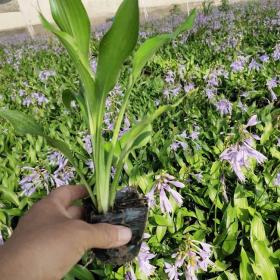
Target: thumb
(105,236)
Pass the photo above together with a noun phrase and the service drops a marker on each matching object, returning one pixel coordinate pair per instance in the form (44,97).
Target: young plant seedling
(73,30)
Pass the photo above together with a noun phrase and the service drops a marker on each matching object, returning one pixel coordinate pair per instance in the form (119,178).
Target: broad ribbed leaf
(78,58)
(117,45)
(231,229)
(257,229)
(72,18)
(22,123)
(263,266)
(146,51)
(152,45)
(187,24)
(245,267)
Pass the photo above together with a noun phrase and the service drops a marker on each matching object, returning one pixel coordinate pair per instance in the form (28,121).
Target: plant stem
(84,182)
(115,139)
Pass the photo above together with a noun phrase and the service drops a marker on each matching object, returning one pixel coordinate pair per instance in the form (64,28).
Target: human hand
(51,238)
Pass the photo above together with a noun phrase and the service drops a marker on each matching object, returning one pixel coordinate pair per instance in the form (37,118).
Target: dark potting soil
(130,210)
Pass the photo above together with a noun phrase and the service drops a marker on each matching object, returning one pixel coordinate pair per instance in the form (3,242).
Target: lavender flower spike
(224,107)
(162,186)
(144,258)
(172,272)
(239,155)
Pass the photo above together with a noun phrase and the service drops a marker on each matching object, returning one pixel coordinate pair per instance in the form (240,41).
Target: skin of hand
(51,238)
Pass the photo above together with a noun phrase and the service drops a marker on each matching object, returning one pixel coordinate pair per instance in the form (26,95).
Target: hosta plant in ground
(211,168)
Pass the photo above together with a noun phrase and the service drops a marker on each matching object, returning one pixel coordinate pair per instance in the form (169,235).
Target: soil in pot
(130,210)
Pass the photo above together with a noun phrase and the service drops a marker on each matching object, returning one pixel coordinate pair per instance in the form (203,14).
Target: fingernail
(124,235)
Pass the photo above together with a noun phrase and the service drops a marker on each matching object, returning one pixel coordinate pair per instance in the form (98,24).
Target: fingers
(105,236)
(65,195)
(75,212)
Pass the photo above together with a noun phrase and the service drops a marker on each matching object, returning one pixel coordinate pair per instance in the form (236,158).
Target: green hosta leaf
(231,276)
(81,62)
(275,153)
(263,265)
(231,230)
(117,45)
(72,18)
(152,45)
(146,51)
(9,195)
(80,272)
(163,220)
(186,25)
(160,232)
(22,123)
(278,227)
(245,267)
(267,133)
(139,141)
(257,229)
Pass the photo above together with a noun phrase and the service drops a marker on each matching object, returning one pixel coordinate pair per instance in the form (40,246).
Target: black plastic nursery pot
(130,210)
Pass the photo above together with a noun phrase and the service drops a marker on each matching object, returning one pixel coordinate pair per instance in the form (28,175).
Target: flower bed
(211,171)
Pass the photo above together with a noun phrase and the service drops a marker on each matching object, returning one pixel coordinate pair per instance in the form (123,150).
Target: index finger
(65,195)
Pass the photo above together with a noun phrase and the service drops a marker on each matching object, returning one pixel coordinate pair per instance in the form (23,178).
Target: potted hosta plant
(107,202)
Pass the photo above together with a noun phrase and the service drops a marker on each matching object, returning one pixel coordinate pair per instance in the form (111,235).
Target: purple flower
(64,174)
(172,271)
(162,186)
(252,121)
(93,65)
(46,74)
(194,135)
(210,92)
(130,275)
(144,258)
(272,83)
(224,107)
(40,98)
(188,87)
(238,156)
(22,93)
(175,146)
(276,53)
(169,78)
(36,178)
(126,126)
(238,65)
(212,80)
(277,180)
(88,143)
(90,164)
(27,101)
(198,177)
(175,91)
(243,107)
(108,121)
(166,93)
(254,65)
(264,58)
(57,159)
